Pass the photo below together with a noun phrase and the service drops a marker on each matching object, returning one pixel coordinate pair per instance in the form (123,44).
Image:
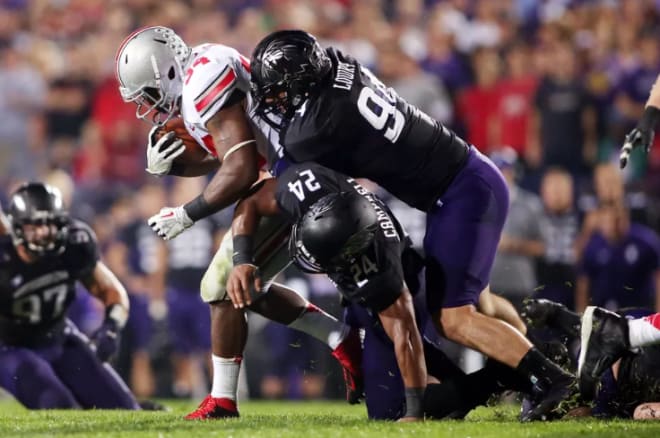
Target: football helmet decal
(335,230)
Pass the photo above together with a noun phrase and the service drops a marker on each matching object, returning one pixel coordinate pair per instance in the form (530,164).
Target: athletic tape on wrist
(119,314)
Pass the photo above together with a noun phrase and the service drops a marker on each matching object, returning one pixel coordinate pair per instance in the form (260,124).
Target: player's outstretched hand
(170,222)
(106,340)
(636,138)
(242,280)
(161,151)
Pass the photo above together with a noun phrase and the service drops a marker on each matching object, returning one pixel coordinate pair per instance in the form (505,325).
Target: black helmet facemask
(287,68)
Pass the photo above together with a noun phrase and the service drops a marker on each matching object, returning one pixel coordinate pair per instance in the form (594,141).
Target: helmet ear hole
(171,73)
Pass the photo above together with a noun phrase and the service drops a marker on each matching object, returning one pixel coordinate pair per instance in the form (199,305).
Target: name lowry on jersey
(344,77)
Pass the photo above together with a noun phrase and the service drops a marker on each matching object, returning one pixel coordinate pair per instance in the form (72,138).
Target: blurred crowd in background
(548,89)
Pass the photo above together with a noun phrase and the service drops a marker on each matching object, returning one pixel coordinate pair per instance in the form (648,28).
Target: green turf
(297,419)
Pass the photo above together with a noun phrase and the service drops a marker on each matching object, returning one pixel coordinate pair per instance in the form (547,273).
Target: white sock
(323,326)
(644,331)
(225,376)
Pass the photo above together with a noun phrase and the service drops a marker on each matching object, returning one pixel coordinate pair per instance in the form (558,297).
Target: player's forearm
(409,357)
(399,323)
(105,286)
(226,187)
(199,169)
(245,219)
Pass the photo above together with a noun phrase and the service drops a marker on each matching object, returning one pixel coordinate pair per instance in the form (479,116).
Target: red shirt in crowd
(476,108)
(513,110)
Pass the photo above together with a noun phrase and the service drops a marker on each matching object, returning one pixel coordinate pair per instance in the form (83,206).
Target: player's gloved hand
(162,151)
(106,338)
(170,222)
(243,282)
(641,136)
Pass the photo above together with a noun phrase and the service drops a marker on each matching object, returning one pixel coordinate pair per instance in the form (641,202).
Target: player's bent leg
(647,411)
(499,307)
(491,336)
(93,383)
(228,338)
(32,381)
(500,341)
(285,306)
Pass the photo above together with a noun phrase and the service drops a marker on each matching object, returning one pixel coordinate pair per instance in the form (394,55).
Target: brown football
(194,153)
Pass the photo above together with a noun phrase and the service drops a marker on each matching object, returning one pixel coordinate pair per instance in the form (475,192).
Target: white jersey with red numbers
(215,75)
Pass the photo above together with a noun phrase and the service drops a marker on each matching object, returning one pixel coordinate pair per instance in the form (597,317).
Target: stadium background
(536,84)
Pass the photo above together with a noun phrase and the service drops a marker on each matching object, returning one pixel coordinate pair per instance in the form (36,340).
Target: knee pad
(214,282)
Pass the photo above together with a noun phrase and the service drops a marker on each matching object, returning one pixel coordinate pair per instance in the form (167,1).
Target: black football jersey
(34,297)
(360,127)
(373,279)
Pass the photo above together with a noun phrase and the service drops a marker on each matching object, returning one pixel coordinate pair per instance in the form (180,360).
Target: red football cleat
(349,355)
(211,408)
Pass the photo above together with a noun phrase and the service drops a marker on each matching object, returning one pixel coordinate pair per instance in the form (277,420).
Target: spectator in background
(514,271)
(563,128)
(426,92)
(188,317)
(139,257)
(559,228)
(609,189)
(477,104)
(121,137)
(22,92)
(515,97)
(442,60)
(620,266)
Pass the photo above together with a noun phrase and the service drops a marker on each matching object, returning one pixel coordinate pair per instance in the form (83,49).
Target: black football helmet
(336,229)
(38,219)
(286,68)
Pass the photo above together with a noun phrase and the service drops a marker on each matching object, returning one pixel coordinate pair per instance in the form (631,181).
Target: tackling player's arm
(262,202)
(398,321)
(104,285)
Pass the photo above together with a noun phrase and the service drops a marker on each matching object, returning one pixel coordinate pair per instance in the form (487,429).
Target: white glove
(161,153)
(170,222)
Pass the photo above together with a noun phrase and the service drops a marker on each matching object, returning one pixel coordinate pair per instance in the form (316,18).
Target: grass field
(297,419)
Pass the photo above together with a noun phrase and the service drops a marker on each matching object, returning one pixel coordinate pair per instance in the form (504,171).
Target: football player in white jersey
(208,86)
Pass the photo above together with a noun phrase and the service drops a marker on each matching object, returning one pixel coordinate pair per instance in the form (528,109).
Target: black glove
(106,338)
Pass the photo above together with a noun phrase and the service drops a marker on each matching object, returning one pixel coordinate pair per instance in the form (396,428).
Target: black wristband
(198,208)
(649,119)
(414,402)
(243,254)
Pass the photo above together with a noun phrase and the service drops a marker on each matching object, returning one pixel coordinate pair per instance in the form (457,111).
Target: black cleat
(545,403)
(539,312)
(604,340)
